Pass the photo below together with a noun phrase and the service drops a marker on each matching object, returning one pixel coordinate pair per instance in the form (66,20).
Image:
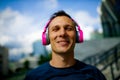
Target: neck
(62,60)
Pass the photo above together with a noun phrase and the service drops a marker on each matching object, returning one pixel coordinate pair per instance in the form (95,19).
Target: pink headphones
(45,38)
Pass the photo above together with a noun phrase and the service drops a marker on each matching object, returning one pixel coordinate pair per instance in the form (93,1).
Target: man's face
(62,35)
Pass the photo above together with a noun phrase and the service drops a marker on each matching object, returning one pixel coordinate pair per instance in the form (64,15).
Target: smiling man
(63,33)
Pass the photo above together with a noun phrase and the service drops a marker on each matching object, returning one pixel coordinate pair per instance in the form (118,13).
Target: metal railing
(109,59)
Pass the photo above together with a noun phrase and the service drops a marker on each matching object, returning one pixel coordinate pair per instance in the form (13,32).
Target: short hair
(62,13)
(59,13)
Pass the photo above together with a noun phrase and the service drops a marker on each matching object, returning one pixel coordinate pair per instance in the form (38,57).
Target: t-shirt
(79,71)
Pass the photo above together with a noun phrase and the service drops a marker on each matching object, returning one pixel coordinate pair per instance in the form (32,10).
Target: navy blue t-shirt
(80,71)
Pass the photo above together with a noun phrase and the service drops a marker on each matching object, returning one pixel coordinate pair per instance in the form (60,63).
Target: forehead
(61,20)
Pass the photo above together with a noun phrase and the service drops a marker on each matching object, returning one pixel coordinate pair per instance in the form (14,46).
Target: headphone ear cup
(45,39)
(79,33)
(79,36)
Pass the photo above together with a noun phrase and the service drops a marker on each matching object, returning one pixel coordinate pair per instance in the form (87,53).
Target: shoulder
(84,66)
(91,70)
(37,72)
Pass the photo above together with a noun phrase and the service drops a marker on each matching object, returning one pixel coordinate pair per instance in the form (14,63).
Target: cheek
(73,36)
(52,36)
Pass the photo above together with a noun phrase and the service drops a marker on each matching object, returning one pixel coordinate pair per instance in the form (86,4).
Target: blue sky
(44,8)
(22,21)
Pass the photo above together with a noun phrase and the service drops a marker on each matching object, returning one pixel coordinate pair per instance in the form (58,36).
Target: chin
(62,51)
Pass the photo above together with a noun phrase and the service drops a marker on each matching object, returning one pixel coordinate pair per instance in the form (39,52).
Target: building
(110,17)
(39,49)
(3,60)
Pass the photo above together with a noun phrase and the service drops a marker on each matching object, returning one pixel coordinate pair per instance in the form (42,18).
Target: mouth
(63,42)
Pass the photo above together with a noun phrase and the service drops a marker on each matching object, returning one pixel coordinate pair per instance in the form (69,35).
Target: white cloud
(18,29)
(99,10)
(4,39)
(15,22)
(85,18)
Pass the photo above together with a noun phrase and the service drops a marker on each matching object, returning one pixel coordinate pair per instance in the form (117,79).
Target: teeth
(65,41)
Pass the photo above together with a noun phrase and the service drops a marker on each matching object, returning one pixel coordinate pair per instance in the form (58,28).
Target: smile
(63,42)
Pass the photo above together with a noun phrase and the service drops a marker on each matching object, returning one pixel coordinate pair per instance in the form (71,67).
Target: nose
(62,32)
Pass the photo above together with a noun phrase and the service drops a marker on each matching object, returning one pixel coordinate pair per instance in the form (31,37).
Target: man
(63,33)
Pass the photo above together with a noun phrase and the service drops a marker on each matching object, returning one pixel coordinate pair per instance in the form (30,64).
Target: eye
(56,28)
(69,28)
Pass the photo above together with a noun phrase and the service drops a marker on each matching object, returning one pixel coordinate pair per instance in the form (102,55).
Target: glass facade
(110,18)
